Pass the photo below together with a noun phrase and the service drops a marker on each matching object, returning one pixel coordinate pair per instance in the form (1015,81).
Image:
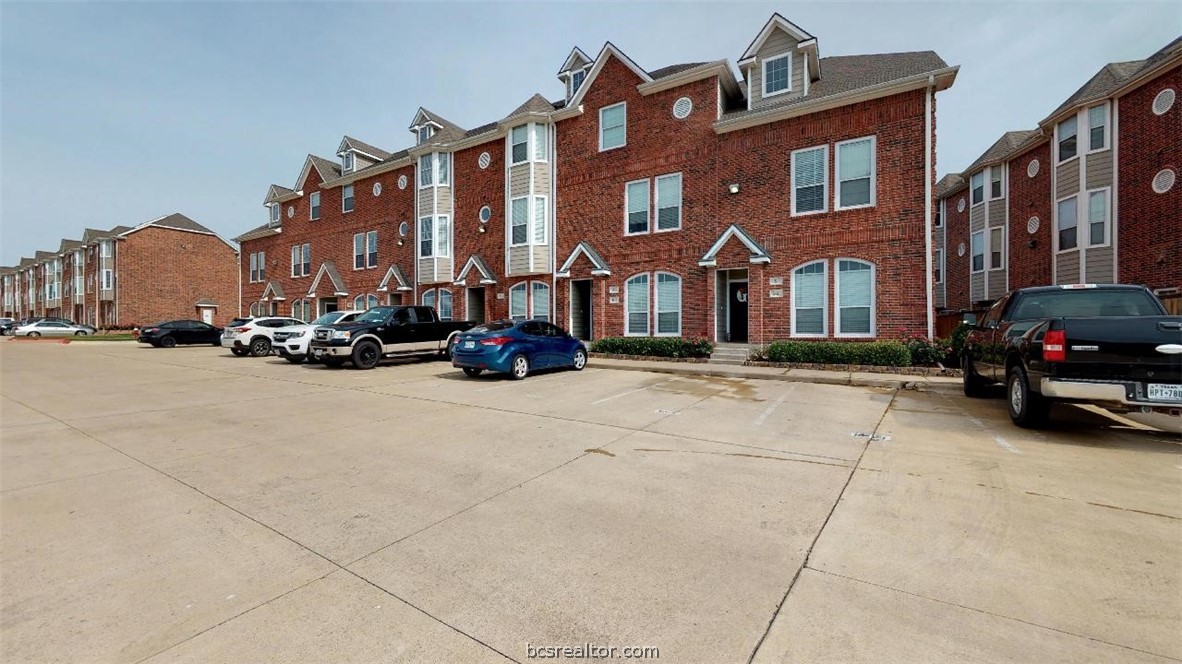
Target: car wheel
(260,346)
(1027,409)
(333,362)
(580,360)
(294,359)
(80,333)
(240,352)
(366,355)
(167,342)
(34,334)
(473,372)
(519,369)
(974,386)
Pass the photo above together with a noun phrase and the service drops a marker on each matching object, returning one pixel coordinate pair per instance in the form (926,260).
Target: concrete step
(731,361)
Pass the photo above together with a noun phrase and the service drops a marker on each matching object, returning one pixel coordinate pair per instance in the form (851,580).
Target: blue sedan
(516,348)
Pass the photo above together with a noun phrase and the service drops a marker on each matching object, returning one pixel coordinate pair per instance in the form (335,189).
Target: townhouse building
(794,200)
(169,267)
(1089,196)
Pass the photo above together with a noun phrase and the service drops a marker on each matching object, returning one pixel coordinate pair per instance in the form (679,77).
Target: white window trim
(273,214)
(441,173)
(531,140)
(1107,129)
(435,245)
(528,220)
(429,171)
(824,183)
(623,104)
(1107,218)
(1078,152)
(648,207)
(533,208)
(532,302)
(984,252)
(419,236)
(837,300)
(1055,225)
(362,254)
(655,215)
(314,207)
(657,303)
(1002,180)
(353,198)
(873,173)
(524,287)
(938,264)
(348,162)
(989,249)
(763,93)
(984,188)
(824,302)
(648,311)
(296,260)
(528,151)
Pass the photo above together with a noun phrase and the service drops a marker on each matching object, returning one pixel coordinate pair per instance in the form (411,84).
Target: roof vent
(1032,225)
(1163,102)
(682,108)
(960,205)
(484,160)
(1164,180)
(1032,169)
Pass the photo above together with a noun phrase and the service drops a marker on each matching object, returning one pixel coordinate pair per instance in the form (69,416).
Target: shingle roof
(448,133)
(68,246)
(1002,148)
(535,104)
(848,73)
(181,222)
(949,184)
(256,233)
(42,255)
(367,148)
(329,170)
(26,262)
(1115,74)
(673,69)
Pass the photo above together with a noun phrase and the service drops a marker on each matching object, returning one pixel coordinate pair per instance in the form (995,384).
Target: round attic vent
(403,229)
(377,189)
(682,108)
(1163,102)
(402,182)
(960,249)
(484,160)
(485,213)
(960,205)
(1032,169)
(1164,180)
(1032,225)
(290,211)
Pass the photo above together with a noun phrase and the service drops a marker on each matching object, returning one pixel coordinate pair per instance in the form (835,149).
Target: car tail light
(1054,346)
(242,329)
(150,329)
(495,341)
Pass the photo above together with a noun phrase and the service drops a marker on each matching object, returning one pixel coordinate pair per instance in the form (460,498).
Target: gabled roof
(486,274)
(448,131)
(948,184)
(275,291)
(607,51)
(68,245)
(576,54)
(328,170)
(598,265)
(401,283)
(26,262)
(41,256)
(275,192)
(673,69)
(1114,76)
(259,232)
(758,253)
(776,21)
(338,284)
(1003,148)
(350,143)
(175,221)
(535,104)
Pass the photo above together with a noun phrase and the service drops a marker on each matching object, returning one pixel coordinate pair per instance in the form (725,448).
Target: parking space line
(770,409)
(1003,444)
(624,394)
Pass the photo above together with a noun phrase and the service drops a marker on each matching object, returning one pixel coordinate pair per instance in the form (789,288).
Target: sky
(118,113)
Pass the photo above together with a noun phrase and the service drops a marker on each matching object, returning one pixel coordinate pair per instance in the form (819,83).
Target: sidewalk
(944,384)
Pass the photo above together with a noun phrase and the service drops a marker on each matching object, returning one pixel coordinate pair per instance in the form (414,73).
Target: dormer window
(424,133)
(274,213)
(347,162)
(575,80)
(777,77)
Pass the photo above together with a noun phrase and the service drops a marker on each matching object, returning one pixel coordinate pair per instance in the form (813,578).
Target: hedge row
(873,353)
(654,346)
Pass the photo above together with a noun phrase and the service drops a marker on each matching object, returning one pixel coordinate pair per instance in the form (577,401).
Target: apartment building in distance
(167,268)
(794,200)
(1089,196)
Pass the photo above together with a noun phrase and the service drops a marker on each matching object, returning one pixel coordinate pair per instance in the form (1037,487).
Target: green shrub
(926,353)
(654,346)
(871,353)
(956,339)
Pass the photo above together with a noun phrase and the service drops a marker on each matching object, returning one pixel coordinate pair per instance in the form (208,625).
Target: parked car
(292,342)
(50,328)
(175,332)
(1113,346)
(517,348)
(6,324)
(252,336)
(383,332)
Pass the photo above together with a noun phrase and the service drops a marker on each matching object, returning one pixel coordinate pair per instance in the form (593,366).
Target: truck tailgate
(1128,347)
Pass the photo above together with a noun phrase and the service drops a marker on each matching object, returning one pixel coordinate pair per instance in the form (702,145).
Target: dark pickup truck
(382,332)
(1109,345)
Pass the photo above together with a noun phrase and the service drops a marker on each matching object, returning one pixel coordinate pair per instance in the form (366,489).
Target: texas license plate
(1159,392)
(469,344)
(317,353)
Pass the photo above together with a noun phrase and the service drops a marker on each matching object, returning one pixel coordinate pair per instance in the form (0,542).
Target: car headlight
(294,335)
(341,334)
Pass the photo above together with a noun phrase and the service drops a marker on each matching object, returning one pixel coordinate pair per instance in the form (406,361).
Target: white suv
(292,342)
(252,336)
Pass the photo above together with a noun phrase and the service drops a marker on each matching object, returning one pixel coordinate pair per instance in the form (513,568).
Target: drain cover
(872,437)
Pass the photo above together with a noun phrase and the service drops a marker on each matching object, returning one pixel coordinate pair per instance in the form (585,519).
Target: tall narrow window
(519,143)
(938,266)
(855,298)
(108,279)
(636,204)
(539,220)
(314,206)
(519,221)
(424,133)
(978,187)
(429,298)
(347,198)
(358,251)
(443,235)
(1098,127)
(540,142)
(445,305)
(518,296)
(636,306)
(776,78)
(668,295)
(1067,130)
(426,237)
(262,266)
(997,253)
(1066,223)
(613,126)
(1098,217)
(809,178)
(576,79)
(996,189)
(307,259)
(808,300)
(296,264)
(347,162)
(855,173)
(371,249)
(977,246)
(254,268)
(426,171)
(540,300)
(444,166)
(669,202)
(274,213)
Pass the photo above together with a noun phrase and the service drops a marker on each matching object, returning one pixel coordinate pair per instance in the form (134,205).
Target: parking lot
(186,505)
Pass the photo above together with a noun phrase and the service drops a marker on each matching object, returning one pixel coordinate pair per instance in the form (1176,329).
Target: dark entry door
(328,305)
(475,308)
(580,309)
(737,295)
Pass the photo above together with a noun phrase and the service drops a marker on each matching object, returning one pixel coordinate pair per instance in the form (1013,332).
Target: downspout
(238,259)
(115,273)
(927,202)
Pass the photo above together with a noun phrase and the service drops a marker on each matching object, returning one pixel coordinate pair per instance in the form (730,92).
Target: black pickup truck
(1109,345)
(382,332)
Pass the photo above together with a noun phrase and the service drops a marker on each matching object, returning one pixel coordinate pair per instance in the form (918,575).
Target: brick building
(1087,197)
(167,268)
(792,201)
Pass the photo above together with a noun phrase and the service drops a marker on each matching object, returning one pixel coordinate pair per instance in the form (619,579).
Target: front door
(207,316)
(580,309)
(475,305)
(737,307)
(327,305)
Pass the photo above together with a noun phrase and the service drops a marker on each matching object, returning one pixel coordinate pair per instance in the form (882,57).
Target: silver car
(48,328)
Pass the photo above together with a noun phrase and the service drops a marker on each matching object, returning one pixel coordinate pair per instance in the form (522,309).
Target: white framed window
(777,74)
(938,266)
(1098,128)
(443,236)
(296,260)
(358,251)
(519,301)
(939,215)
(302,310)
(426,171)
(977,252)
(856,173)
(576,80)
(977,182)
(1098,217)
(1066,222)
(1066,145)
(613,126)
(347,162)
(519,221)
(540,140)
(997,248)
(262,266)
(668,203)
(539,300)
(519,144)
(424,133)
(810,180)
(426,237)
(539,220)
(105,248)
(636,211)
(274,211)
(810,298)
(314,206)
(996,182)
(446,311)
(108,279)
(306,267)
(668,304)
(443,165)
(347,198)
(854,284)
(636,307)
(371,249)
(428,299)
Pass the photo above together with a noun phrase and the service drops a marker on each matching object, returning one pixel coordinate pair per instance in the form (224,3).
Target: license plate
(317,353)
(1159,392)
(469,344)
(227,334)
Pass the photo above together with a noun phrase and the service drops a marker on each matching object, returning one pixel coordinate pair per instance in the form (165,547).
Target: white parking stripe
(768,411)
(624,394)
(1005,445)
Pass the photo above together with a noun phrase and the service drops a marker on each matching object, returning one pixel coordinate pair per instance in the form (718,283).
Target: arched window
(636,306)
(429,298)
(854,284)
(540,300)
(301,309)
(518,304)
(445,306)
(365,301)
(809,297)
(668,304)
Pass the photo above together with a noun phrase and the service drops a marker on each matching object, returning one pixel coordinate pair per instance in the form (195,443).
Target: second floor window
(365,250)
(426,237)
(613,126)
(855,173)
(776,78)
(669,202)
(1098,217)
(978,185)
(314,206)
(977,243)
(347,198)
(809,179)
(1066,223)
(519,221)
(636,204)
(108,279)
(996,188)
(1066,135)
(301,260)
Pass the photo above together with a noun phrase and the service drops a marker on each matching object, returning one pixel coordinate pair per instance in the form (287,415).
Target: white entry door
(207,316)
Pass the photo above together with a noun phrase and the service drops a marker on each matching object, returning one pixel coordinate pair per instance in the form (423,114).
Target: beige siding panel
(542,179)
(519,180)
(997,284)
(939,296)
(426,270)
(1099,265)
(443,200)
(1067,268)
(977,287)
(444,269)
(778,43)
(997,213)
(977,219)
(1067,179)
(426,201)
(541,258)
(519,260)
(1099,170)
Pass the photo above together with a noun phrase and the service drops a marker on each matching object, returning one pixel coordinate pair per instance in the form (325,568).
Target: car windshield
(327,319)
(1084,302)
(495,326)
(238,321)
(375,315)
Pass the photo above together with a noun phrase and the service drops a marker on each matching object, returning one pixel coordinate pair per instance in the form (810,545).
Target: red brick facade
(1029,254)
(956,262)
